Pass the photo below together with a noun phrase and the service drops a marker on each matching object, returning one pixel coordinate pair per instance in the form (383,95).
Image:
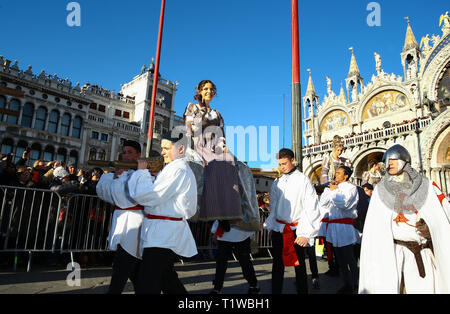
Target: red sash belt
(137,207)
(345,221)
(289,253)
(219,231)
(148,216)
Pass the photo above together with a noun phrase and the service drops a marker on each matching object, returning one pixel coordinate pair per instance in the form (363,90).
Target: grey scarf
(407,196)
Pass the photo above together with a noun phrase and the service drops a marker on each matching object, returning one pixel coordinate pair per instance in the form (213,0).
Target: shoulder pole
(155,82)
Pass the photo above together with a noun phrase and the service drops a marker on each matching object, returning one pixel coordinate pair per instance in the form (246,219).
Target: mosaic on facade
(335,120)
(387,102)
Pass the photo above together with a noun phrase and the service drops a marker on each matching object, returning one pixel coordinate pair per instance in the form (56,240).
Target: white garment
(125,224)
(382,261)
(324,209)
(173,194)
(294,199)
(340,203)
(234,235)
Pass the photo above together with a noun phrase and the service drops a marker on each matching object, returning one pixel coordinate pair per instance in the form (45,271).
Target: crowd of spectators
(64,179)
(53,175)
(263,201)
(404,122)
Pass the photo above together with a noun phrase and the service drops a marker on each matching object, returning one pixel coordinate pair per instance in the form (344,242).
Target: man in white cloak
(405,244)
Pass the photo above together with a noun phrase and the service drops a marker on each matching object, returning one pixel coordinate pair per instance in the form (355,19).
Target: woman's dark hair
(199,87)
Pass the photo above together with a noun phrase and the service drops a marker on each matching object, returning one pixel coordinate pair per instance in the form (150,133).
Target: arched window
(7,146)
(73,157)
(14,110)
(27,115)
(49,153)
(41,116)
(101,155)
(53,121)
(21,146)
(35,152)
(65,124)
(2,106)
(76,129)
(92,154)
(61,154)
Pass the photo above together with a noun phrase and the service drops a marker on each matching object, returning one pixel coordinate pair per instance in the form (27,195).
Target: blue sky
(242,45)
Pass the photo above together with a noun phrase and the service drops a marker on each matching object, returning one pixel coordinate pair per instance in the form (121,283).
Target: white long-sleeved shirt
(126,224)
(234,235)
(294,199)
(340,203)
(173,194)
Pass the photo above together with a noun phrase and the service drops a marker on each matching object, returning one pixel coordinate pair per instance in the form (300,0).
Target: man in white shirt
(340,201)
(168,203)
(126,222)
(231,238)
(293,221)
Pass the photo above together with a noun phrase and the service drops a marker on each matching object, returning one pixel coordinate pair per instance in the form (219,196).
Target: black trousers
(242,252)
(311,252)
(124,266)
(278,266)
(348,266)
(157,273)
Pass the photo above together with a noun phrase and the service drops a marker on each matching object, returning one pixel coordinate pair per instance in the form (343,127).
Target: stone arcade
(411,110)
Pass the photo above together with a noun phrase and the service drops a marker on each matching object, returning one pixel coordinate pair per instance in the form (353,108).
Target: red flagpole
(295,44)
(155,80)
(296,91)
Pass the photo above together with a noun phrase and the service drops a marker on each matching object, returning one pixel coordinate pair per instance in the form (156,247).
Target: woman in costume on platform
(332,162)
(221,197)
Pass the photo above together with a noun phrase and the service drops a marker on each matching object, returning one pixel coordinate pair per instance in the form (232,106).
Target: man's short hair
(368,186)
(347,171)
(285,153)
(133,144)
(154,153)
(178,141)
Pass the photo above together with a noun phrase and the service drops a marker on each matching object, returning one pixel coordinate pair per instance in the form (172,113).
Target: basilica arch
(313,172)
(360,163)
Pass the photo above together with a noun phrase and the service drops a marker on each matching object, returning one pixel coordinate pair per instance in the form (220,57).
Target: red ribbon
(219,231)
(162,217)
(441,196)
(137,207)
(289,253)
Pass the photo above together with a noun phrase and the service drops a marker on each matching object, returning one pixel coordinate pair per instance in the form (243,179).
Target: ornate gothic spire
(410,39)
(310,89)
(354,70)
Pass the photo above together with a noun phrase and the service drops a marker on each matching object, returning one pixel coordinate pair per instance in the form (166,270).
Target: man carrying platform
(126,222)
(168,203)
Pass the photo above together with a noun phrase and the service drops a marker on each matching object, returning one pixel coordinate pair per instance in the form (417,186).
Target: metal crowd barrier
(28,220)
(86,223)
(35,220)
